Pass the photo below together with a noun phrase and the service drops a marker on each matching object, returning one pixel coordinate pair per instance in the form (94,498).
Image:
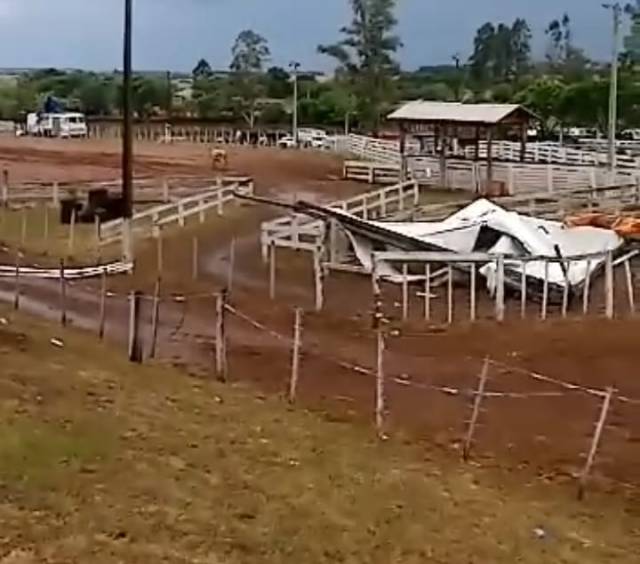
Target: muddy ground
(536,431)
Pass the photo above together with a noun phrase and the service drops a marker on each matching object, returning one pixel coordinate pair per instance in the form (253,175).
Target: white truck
(64,125)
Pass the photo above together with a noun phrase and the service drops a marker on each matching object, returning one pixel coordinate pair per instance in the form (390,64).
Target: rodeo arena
(451,281)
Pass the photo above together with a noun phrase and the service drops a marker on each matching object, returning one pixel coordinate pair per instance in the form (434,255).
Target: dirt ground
(540,434)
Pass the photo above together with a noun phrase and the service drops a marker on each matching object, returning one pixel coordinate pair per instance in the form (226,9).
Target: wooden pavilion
(450,124)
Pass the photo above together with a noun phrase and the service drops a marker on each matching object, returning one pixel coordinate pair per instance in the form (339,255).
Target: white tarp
(515,235)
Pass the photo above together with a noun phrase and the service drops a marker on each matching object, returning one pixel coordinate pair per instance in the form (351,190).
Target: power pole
(616,10)
(127,132)
(295,66)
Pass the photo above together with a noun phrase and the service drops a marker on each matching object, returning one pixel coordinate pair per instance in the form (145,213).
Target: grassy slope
(104,462)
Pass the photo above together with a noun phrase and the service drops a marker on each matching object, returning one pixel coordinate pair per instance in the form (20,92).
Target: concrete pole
(295,66)
(616,10)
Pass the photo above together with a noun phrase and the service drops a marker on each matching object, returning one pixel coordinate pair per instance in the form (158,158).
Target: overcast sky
(173,34)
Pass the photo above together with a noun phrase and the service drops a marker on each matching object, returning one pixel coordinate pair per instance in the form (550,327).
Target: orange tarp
(625,226)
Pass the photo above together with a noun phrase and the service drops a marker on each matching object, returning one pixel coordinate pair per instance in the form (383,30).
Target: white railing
(154,219)
(299,231)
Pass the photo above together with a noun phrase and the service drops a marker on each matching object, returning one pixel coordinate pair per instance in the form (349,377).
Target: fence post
(195,258)
(181,220)
(155,319)
(72,232)
(56,195)
(449,294)
(565,290)
(221,345)
(103,304)
(63,295)
(16,298)
(5,187)
(473,310)
(630,289)
(380,376)
(608,285)
(475,412)
(319,279)
(523,290)
(586,289)
(23,226)
(295,358)
(135,349)
(595,443)
(545,291)
(427,292)
(405,291)
(159,252)
(165,191)
(272,270)
(550,177)
(500,288)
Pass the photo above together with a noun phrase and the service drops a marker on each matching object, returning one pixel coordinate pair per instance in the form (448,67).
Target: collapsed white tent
(485,227)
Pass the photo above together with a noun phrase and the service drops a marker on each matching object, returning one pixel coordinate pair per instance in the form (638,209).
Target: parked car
(287,142)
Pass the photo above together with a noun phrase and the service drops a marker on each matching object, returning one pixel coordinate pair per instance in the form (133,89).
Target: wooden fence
(298,231)
(152,220)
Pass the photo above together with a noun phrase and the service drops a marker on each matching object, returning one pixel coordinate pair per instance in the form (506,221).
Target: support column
(523,141)
(403,153)
(489,158)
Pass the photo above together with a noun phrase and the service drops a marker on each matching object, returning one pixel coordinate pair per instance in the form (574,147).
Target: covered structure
(448,124)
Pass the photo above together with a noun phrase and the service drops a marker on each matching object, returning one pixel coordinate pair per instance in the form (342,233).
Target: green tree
(250,53)
(366,57)
(202,70)
(545,98)
(278,83)
(96,97)
(632,40)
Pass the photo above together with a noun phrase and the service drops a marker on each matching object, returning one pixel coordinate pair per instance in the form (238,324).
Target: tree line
(565,87)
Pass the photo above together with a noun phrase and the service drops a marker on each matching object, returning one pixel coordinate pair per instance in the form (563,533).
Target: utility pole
(127,133)
(456,59)
(295,66)
(616,10)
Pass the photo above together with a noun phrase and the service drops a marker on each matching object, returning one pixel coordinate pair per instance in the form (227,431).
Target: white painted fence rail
(299,231)
(10,271)
(153,219)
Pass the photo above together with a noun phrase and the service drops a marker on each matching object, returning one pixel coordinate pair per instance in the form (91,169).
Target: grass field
(101,461)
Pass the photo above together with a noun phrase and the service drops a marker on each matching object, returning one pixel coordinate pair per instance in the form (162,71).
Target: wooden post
(103,304)
(380,376)
(473,309)
(608,285)
(181,218)
(165,191)
(16,298)
(595,443)
(375,284)
(630,289)
(586,289)
(523,290)
(427,292)
(475,412)
(319,279)
(550,177)
(97,228)
(5,188)
(232,264)
(405,291)
(221,345)
(72,234)
(56,195)
(449,294)
(45,234)
(489,156)
(194,258)
(155,319)
(135,349)
(63,295)
(159,252)
(23,227)
(565,290)
(500,288)
(272,271)
(545,291)
(295,356)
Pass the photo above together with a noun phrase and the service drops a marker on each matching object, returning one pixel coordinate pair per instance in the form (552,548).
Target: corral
(532,383)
